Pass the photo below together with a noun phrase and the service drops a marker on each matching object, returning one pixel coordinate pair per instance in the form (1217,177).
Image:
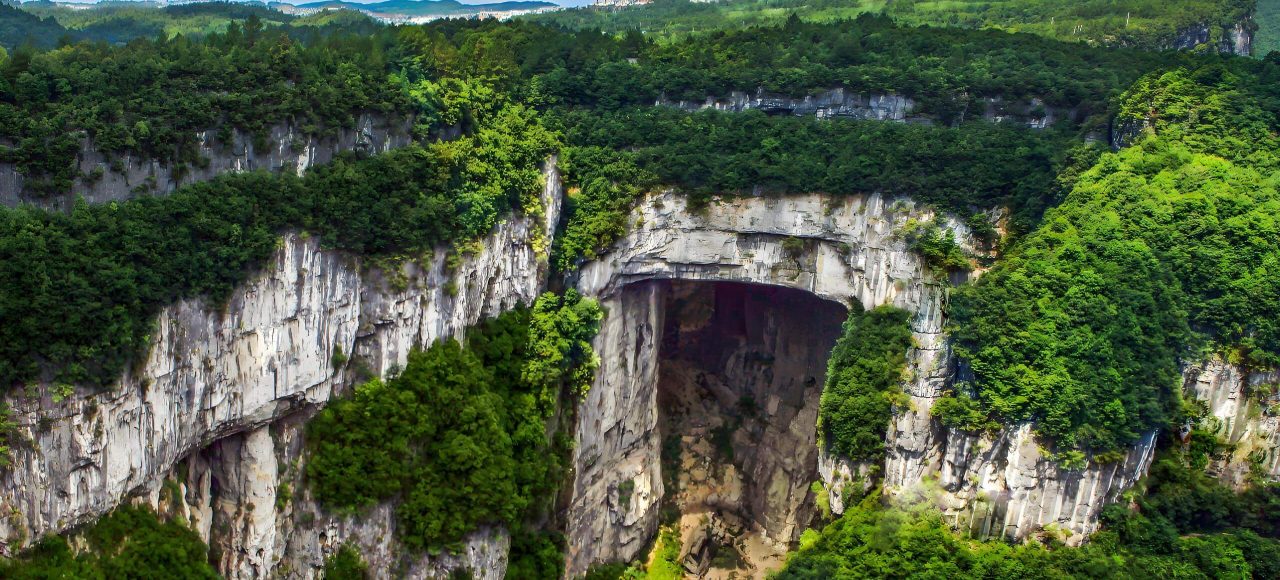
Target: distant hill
(419,7)
(19,27)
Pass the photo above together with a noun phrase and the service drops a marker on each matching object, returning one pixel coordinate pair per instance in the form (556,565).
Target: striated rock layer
(841,103)
(218,403)
(290,149)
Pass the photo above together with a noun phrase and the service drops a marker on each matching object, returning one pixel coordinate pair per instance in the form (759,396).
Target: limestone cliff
(845,104)
(1235,39)
(217,405)
(1243,411)
(289,149)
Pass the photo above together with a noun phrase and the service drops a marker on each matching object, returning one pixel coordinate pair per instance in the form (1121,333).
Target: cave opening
(740,373)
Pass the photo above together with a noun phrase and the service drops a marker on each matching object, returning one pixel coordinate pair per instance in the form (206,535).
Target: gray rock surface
(1244,411)
(842,249)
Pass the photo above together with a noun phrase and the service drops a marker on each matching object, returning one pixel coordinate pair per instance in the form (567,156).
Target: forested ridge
(1114,23)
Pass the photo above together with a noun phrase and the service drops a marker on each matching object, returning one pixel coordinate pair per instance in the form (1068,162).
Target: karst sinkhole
(741,369)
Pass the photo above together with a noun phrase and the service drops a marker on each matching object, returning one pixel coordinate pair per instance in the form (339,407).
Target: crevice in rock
(741,369)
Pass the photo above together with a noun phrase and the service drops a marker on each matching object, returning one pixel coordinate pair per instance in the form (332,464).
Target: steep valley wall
(216,407)
(842,249)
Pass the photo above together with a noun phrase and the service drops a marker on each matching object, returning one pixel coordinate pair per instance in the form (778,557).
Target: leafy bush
(345,564)
(936,244)
(864,371)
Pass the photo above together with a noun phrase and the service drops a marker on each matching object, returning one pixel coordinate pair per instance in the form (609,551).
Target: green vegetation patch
(945,71)
(459,438)
(129,542)
(864,377)
(345,564)
(154,98)
(1161,250)
(1183,524)
(976,165)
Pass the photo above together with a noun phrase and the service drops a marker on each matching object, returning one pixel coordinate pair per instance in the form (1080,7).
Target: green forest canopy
(1143,23)
(1161,251)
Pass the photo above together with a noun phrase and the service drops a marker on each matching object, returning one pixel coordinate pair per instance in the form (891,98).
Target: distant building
(620,3)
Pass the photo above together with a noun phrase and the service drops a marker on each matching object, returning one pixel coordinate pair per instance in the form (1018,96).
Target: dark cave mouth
(740,373)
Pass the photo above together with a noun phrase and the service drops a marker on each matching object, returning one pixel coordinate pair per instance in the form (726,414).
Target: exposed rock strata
(290,149)
(741,369)
(1236,39)
(218,377)
(845,104)
(1244,412)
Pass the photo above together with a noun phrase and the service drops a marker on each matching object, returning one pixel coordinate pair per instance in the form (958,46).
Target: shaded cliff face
(289,149)
(739,379)
(1236,39)
(225,388)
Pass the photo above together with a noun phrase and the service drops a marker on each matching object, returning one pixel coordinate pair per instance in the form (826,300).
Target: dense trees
(129,542)
(709,153)
(1145,23)
(152,98)
(1161,249)
(1183,524)
(486,460)
(945,71)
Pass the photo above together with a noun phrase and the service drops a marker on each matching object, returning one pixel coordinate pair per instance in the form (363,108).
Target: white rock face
(289,150)
(1243,409)
(218,377)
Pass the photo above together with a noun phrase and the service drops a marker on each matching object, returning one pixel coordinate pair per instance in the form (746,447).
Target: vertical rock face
(289,149)
(839,248)
(1244,411)
(843,249)
(1236,39)
(741,369)
(220,384)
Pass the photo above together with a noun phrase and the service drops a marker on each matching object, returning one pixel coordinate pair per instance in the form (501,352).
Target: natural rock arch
(841,248)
